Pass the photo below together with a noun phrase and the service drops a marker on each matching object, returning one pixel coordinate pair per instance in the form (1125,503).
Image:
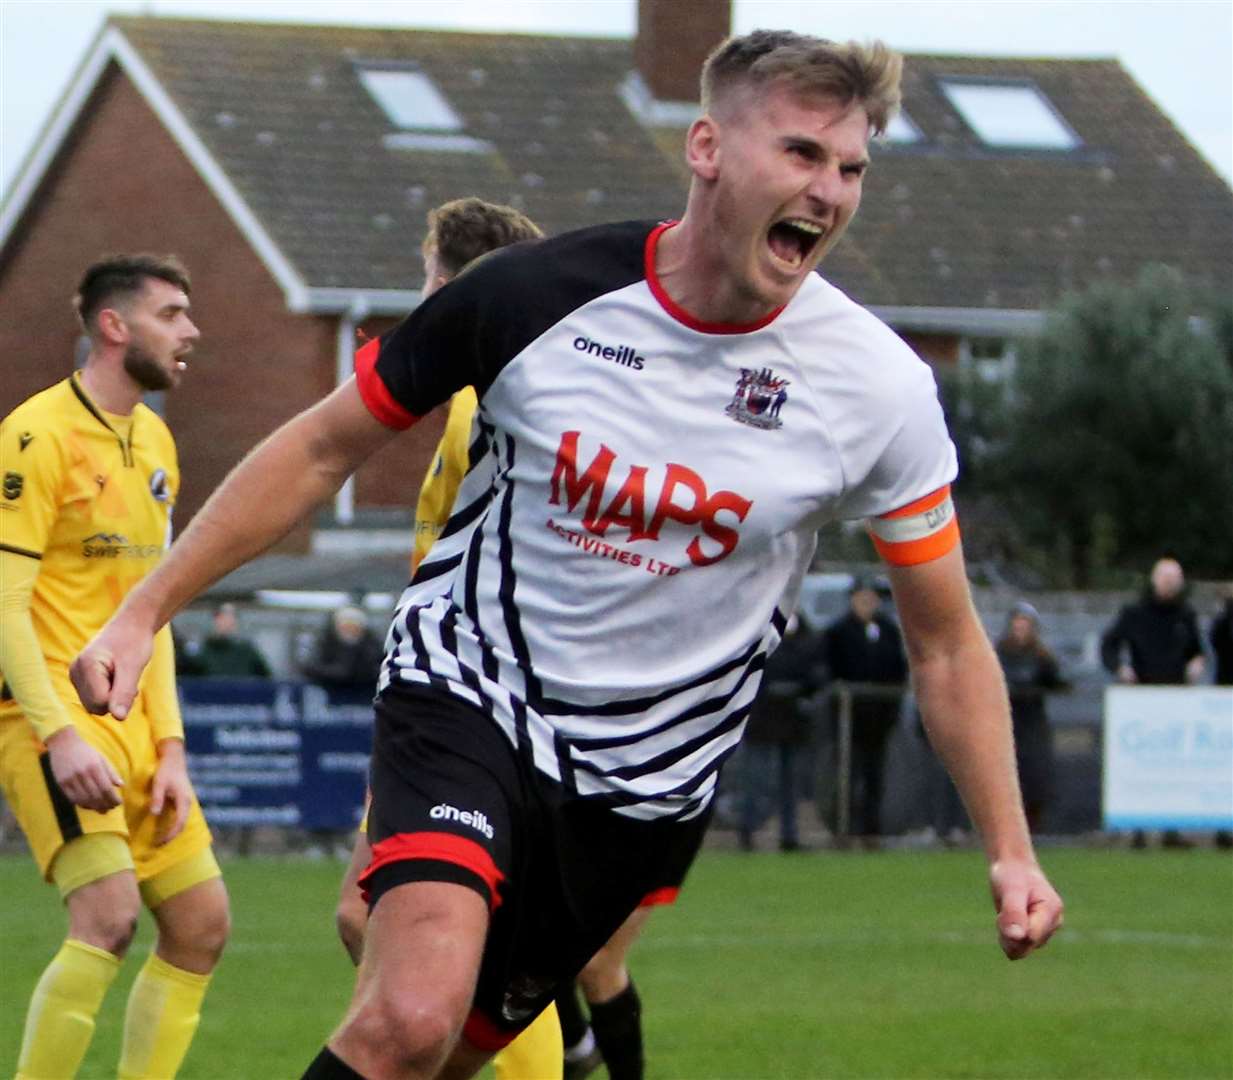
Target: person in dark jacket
(225,653)
(348,654)
(1221,638)
(1156,640)
(778,727)
(1031,672)
(865,647)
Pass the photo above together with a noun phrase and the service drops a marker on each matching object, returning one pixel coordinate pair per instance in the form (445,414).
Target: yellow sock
(163,1009)
(60,1022)
(536,1054)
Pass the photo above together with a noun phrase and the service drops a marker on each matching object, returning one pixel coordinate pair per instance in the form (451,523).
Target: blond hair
(812,67)
(462,230)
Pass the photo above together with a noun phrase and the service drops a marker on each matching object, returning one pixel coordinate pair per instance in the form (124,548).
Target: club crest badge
(759,398)
(158,485)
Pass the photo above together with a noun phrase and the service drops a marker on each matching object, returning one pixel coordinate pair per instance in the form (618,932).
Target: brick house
(292,166)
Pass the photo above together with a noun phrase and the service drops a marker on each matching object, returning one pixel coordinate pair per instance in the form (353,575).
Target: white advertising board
(1168,757)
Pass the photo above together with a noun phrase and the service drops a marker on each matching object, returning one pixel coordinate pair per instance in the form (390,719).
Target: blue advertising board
(264,752)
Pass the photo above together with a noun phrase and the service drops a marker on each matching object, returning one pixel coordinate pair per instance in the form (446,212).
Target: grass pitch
(770,966)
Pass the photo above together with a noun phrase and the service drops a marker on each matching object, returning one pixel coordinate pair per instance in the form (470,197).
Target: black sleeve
(467,331)
(458,337)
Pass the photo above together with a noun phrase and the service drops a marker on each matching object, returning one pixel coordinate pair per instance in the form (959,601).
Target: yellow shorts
(50,821)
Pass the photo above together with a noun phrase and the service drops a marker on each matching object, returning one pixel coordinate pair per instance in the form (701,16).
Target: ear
(702,153)
(112,327)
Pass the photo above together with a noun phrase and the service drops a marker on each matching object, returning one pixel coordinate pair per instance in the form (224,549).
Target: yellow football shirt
(449,466)
(89,495)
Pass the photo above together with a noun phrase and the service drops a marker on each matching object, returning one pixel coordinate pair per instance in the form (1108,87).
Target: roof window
(1010,114)
(409,99)
(901,129)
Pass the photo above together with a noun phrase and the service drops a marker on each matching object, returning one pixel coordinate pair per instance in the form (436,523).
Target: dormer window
(1013,114)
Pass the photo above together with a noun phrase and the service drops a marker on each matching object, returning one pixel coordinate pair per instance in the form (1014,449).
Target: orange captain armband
(920,532)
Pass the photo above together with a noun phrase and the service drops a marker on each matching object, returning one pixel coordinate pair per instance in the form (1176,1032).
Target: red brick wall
(940,349)
(122,184)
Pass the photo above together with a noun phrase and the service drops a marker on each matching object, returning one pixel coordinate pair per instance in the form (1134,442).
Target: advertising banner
(1168,757)
(263,752)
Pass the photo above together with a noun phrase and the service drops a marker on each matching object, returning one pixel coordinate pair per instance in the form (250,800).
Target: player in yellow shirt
(459,232)
(89,481)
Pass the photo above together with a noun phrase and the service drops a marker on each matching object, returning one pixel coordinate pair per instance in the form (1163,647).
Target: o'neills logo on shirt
(682,497)
(476,819)
(625,355)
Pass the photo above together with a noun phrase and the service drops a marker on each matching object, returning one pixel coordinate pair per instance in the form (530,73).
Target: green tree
(1118,440)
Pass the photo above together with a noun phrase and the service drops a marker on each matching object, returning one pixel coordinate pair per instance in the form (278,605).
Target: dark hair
(124,276)
(462,230)
(852,72)
(875,583)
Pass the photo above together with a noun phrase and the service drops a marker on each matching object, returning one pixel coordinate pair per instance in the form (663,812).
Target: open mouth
(792,239)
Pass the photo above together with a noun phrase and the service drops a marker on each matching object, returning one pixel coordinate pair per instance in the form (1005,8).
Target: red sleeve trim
(373,391)
(439,847)
(483,1034)
(660,897)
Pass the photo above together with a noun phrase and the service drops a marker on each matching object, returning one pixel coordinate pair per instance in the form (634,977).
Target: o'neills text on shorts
(476,819)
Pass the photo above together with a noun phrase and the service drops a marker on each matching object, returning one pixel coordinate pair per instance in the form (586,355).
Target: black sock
(326,1066)
(618,1030)
(573,1024)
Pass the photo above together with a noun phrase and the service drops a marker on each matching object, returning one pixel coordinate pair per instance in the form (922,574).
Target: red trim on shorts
(656,897)
(439,847)
(483,1034)
(679,313)
(377,397)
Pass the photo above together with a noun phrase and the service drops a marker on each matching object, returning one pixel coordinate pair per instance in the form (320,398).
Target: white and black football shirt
(642,500)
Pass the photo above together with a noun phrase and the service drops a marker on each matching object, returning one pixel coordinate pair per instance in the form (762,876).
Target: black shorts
(452,800)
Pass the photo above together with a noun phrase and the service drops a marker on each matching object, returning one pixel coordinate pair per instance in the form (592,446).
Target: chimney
(674,38)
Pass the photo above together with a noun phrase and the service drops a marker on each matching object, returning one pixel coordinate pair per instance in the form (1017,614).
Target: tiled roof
(950,222)
(283,112)
(946,223)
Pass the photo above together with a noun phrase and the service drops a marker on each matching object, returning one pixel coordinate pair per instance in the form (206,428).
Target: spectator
(348,653)
(1031,671)
(778,728)
(865,647)
(1221,638)
(1156,642)
(225,653)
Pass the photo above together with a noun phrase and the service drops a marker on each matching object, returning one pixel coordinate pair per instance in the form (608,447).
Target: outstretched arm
(962,698)
(301,465)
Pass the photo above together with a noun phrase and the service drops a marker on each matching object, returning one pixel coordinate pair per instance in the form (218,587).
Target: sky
(1180,51)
